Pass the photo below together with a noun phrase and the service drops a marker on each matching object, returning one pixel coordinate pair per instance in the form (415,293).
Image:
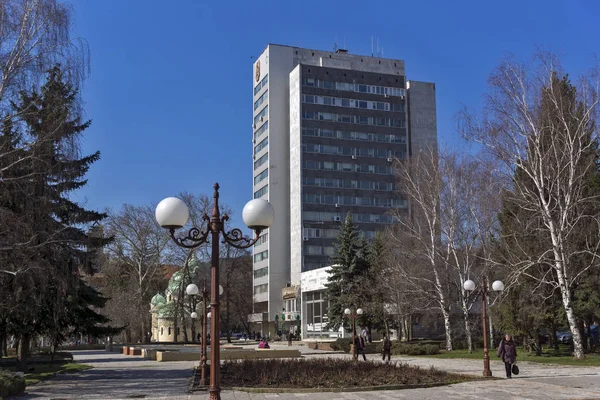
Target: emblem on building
(258,71)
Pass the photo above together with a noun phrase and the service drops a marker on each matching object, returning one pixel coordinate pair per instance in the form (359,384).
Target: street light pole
(352,316)
(497,286)
(203,344)
(172,213)
(486,357)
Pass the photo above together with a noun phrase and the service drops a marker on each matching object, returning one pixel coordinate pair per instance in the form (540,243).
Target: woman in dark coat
(508,352)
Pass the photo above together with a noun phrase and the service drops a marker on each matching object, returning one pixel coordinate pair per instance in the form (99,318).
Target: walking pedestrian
(387,347)
(359,346)
(507,351)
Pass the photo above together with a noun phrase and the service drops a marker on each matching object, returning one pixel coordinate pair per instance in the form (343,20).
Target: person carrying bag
(507,351)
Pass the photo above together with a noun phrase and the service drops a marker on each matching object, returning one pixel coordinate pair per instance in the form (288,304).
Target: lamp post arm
(195,236)
(236,238)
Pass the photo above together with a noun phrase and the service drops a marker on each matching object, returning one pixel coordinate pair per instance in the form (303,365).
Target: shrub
(342,344)
(11,384)
(327,373)
(414,349)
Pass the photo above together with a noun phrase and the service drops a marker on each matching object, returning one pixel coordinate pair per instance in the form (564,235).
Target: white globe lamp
(469,285)
(258,214)
(172,213)
(192,289)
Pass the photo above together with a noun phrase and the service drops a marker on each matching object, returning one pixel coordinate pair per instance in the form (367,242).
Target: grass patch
(44,371)
(328,374)
(549,356)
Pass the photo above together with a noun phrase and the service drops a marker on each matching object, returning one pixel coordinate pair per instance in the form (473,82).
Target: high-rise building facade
(328,127)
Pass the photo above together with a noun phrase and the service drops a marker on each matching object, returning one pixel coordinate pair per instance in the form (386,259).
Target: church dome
(158,299)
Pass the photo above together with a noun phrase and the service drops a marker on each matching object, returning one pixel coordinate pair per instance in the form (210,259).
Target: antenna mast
(371,45)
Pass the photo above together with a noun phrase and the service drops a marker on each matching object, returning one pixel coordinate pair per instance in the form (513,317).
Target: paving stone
(116,376)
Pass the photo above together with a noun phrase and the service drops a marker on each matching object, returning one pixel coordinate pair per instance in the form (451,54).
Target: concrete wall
(422,116)
(166,336)
(296,236)
(348,61)
(277,62)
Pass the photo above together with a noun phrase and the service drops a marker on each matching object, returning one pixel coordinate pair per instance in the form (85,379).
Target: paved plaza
(116,376)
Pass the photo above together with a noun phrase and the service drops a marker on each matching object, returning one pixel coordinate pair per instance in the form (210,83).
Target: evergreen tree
(48,294)
(376,295)
(347,280)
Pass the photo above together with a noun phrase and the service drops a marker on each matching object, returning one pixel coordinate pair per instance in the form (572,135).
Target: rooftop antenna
(371,45)
(335,46)
(345,43)
(377,47)
(381,51)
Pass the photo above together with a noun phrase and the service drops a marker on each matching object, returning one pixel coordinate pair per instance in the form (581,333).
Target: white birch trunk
(468,333)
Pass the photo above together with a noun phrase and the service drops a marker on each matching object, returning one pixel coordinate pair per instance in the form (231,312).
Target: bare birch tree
(469,206)
(460,237)
(137,250)
(544,132)
(417,235)
(35,35)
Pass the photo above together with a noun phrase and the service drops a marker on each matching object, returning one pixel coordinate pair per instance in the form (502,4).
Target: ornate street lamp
(497,286)
(353,317)
(193,290)
(172,214)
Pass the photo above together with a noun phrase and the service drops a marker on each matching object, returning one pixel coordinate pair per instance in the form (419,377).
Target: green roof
(158,299)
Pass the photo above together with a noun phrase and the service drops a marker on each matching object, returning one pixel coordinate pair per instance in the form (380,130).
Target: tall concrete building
(327,128)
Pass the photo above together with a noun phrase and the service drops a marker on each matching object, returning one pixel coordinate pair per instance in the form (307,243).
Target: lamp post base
(215,394)
(353,352)
(204,374)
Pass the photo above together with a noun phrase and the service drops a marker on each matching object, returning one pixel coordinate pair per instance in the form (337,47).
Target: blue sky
(170,90)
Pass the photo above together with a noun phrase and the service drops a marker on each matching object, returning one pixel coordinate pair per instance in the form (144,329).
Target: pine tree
(50,293)
(376,318)
(345,288)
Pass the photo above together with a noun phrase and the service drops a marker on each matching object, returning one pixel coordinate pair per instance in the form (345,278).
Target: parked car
(564,337)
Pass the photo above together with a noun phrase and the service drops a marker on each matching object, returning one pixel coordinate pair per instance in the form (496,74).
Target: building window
(261,84)
(337,166)
(261,145)
(261,130)
(260,177)
(320,216)
(261,116)
(350,103)
(352,87)
(264,288)
(261,192)
(263,255)
(261,100)
(262,239)
(366,201)
(353,119)
(264,159)
(169,331)
(316,313)
(259,273)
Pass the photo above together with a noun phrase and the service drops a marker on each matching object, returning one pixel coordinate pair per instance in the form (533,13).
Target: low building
(166,311)
(314,307)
